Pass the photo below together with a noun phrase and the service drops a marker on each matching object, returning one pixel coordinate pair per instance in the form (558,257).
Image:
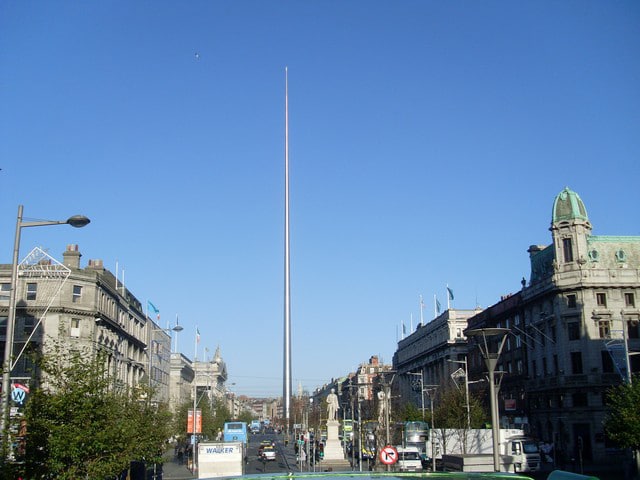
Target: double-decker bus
(235,432)
(347,430)
(416,434)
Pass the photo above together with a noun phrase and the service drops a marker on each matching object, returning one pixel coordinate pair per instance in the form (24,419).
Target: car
(409,459)
(268,453)
(264,443)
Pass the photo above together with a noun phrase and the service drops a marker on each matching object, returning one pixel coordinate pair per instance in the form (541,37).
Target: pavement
(172,470)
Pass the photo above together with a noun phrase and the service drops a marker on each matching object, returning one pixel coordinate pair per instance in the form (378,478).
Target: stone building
(572,327)
(572,334)
(422,356)
(89,308)
(84,308)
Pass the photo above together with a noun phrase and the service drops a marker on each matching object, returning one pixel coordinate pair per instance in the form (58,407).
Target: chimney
(71,257)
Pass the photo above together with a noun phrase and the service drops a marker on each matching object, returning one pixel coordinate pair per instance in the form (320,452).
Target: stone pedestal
(333,452)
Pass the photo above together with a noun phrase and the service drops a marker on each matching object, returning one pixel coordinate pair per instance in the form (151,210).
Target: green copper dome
(568,206)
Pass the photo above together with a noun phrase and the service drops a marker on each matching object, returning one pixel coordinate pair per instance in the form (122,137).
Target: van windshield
(409,456)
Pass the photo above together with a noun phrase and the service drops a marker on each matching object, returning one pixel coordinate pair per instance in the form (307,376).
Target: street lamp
(466,387)
(431,391)
(76,221)
(491,360)
(421,380)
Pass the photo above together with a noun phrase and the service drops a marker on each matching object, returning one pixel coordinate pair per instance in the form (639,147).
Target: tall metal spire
(286,395)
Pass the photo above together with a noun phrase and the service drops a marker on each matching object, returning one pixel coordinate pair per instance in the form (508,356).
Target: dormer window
(621,256)
(594,255)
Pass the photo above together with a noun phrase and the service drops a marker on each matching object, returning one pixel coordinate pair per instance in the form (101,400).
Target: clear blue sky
(427,143)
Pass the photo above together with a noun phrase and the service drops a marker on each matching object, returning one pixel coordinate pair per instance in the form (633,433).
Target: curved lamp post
(76,221)
(491,358)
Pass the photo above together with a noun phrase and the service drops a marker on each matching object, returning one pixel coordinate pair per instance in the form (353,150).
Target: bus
(235,432)
(347,430)
(416,434)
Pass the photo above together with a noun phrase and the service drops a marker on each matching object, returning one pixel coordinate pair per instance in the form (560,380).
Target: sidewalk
(171,470)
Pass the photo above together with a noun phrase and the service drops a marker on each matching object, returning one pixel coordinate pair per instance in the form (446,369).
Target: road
(285,460)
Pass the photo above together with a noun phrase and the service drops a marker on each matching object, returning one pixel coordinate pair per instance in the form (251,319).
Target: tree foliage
(80,425)
(451,410)
(213,417)
(623,421)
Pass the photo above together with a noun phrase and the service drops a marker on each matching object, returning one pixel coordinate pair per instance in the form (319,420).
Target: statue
(332,406)
(381,407)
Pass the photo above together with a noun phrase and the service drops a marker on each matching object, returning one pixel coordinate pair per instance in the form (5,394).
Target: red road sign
(388,455)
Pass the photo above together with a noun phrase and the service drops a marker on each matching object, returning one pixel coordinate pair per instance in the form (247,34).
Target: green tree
(451,410)
(623,421)
(245,416)
(79,425)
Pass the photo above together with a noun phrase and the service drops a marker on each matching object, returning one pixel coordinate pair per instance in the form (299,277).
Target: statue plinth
(333,449)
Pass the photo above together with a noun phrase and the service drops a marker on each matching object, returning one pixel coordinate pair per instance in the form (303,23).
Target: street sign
(388,455)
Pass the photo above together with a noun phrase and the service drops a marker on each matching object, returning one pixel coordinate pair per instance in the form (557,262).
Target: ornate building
(573,331)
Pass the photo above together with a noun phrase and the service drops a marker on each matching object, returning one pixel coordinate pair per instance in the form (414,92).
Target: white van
(409,459)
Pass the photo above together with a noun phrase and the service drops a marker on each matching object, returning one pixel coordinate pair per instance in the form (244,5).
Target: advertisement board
(220,459)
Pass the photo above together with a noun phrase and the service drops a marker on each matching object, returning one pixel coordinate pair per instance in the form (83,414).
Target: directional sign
(388,455)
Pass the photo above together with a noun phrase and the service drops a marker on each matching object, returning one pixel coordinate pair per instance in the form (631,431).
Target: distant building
(423,355)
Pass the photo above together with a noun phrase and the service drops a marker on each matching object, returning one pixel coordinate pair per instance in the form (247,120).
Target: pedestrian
(180,455)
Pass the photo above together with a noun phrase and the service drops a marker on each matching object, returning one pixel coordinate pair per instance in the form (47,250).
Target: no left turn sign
(388,455)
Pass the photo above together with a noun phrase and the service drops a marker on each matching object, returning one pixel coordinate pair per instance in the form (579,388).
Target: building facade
(87,309)
(572,331)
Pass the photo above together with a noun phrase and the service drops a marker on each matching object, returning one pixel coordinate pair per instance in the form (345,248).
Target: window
(607,361)
(580,400)
(601,299)
(552,329)
(5,290)
(629,299)
(545,371)
(519,367)
(604,328)
(556,369)
(576,363)
(633,328)
(77,293)
(32,290)
(534,368)
(594,255)
(573,330)
(567,249)
(571,301)
(28,325)
(621,256)
(3,326)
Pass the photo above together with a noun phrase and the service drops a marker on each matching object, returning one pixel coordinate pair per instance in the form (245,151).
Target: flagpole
(448,299)
(421,309)
(435,306)
(177,332)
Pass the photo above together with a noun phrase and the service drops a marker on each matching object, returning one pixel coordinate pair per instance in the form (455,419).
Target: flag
(151,306)
(197,335)
(438,306)
(450,292)
(404,328)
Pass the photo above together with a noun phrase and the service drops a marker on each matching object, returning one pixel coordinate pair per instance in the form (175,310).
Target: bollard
(562,475)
